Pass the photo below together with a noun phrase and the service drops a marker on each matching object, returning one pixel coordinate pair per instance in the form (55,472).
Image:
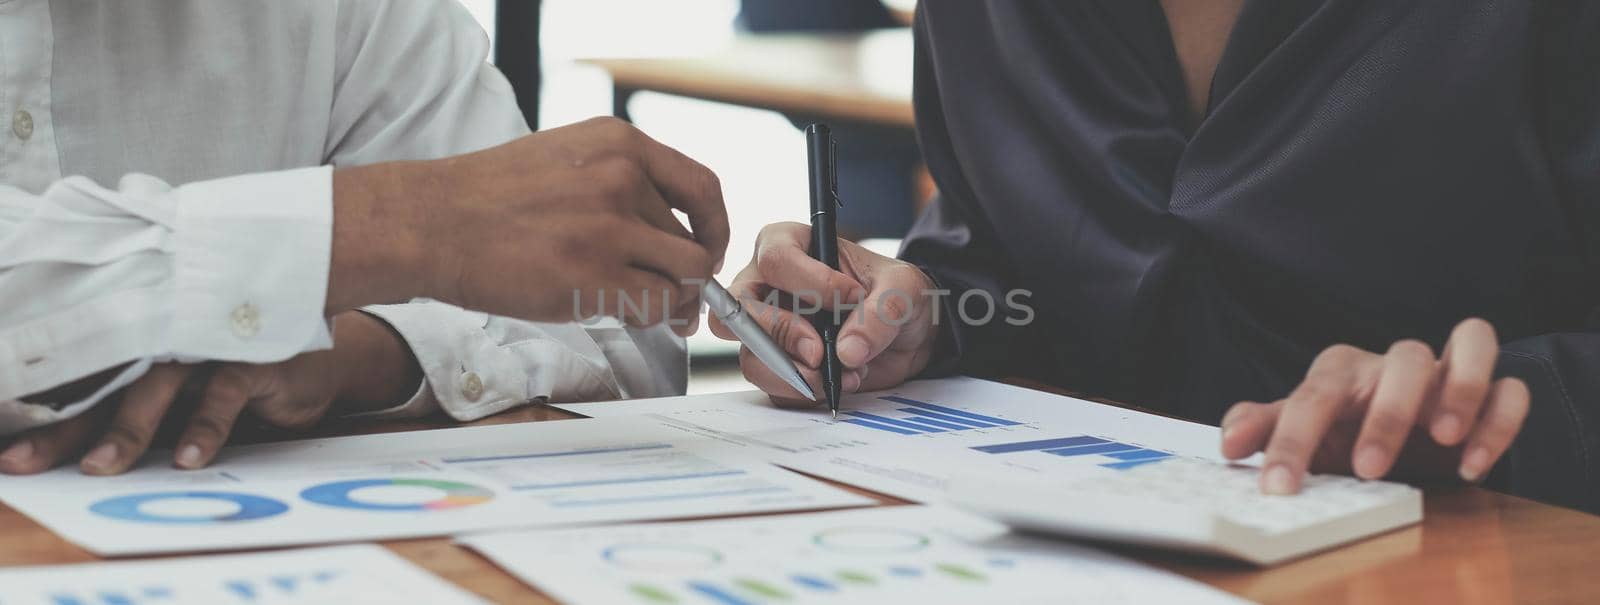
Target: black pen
(825,247)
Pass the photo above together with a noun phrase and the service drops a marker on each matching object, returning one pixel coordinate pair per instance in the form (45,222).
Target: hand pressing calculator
(1197,505)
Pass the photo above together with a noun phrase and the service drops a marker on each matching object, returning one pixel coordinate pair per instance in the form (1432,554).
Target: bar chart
(921,418)
(897,554)
(1109,454)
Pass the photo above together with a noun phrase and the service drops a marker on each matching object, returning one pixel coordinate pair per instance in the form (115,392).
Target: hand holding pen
(885,341)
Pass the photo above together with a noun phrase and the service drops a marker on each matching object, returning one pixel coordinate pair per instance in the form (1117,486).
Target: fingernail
(853,351)
(810,349)
(1226,430)
(102,458)
(18,453)
(1278,481)
(1447,428)
(852,382)
(189,456)
(1475,464)
(1369,462)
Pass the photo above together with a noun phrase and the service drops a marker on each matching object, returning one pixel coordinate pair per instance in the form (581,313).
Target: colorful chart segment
(745,590)
(339,494)
(1123,456)
(922,417)
(245,507)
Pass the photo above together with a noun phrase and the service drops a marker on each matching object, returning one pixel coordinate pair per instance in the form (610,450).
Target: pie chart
(188,507)
(397,495)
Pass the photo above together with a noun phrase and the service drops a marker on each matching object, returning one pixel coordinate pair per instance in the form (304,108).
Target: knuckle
(1388,426)
(787,230)
(769,262)
(1340,353)
(893,306)
(210,426)
(1461,389)
(1286,448)
(1411,351)
(1315,393)
(128,435)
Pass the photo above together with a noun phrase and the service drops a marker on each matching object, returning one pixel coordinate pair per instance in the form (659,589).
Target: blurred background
(730,83)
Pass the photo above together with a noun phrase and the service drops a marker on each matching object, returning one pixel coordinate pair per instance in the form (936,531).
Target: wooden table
(859,77)
(1474,546)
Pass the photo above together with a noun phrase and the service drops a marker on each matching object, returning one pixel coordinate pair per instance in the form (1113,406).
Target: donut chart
(341,494)
(870,540)
(245,507)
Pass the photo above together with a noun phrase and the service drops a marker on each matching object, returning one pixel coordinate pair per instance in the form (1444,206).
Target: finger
(691,187)
(1468,360)
(744,288)
(641,296)
(1306,416)
(1246,427)
(208,428)
(1406,379)
(796,334)
(651,206)
(41,449)
(1496,429)
(779,391)
(135,422)
(684,262)
(872,327)
(781,262)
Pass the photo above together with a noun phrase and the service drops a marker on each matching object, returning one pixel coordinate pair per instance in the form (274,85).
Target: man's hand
(536,228)
(368,368)
(884,341)
(1356,410)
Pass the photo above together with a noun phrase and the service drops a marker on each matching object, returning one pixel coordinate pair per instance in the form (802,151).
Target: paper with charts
(910,440)
(342,575)
(898,554)
(412,484)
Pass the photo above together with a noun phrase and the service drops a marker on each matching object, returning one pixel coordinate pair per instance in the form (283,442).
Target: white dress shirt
(166,194)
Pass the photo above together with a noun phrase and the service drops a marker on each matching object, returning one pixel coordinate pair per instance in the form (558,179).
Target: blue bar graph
(958,420)
(904,424)
(814,583)
(924,418)
(881,427)
(905,572)
(717,594)
(949,411)
(1124,455)
(1043,444)
(1140,455)
(1122,466)
(1098,448)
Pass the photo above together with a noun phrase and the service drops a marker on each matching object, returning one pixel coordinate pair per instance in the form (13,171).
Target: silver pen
(727,309)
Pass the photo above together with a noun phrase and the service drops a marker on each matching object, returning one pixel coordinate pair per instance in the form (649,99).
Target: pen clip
(833,171)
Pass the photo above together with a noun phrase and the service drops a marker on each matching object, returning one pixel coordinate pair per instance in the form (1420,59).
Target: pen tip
(835,414)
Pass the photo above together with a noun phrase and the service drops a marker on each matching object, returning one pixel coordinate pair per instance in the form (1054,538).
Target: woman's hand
(1364,412)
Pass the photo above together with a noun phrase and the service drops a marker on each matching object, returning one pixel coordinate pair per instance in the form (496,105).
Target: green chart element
(652,594)
(855,577)
(762,588)
(870,540)
(961,573)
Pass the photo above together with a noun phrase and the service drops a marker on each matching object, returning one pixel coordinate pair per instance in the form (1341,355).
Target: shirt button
(22,124)
(471,386)
(246,320)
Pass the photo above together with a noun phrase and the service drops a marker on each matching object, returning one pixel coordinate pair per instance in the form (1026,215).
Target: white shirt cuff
(252,261)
